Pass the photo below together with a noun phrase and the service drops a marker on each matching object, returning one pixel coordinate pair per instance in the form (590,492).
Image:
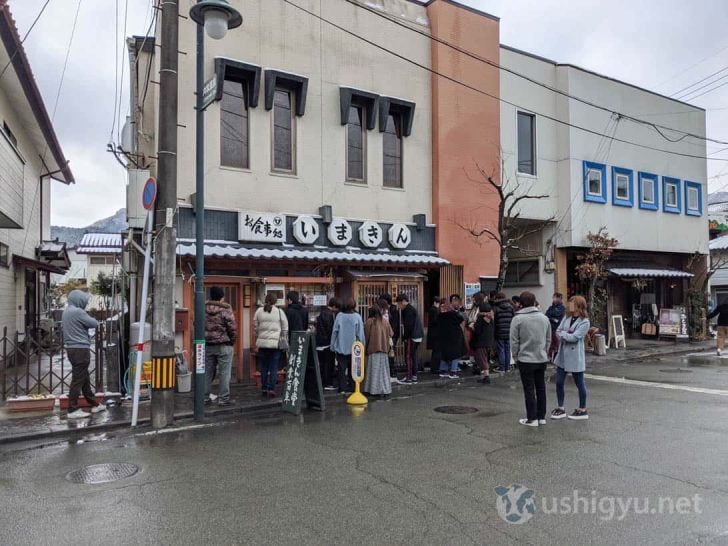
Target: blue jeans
(453,364)
(580,384)
(268,360)
(504,354)
(218,358)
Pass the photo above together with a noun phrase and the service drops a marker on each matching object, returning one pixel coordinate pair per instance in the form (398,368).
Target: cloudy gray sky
(663,45)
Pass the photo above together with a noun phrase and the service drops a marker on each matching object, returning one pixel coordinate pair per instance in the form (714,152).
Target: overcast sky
(663,45)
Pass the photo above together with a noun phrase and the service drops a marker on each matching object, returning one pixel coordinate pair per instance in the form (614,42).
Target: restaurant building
(332,167)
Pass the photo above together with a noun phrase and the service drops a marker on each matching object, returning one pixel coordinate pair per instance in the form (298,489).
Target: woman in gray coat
(571,357)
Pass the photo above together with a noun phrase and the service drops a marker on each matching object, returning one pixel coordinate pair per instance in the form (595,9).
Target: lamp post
(214,17)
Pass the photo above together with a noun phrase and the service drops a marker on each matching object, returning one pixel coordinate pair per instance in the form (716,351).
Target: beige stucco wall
(277,36)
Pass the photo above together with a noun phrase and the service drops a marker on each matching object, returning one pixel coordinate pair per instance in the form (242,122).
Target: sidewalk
(639,349)
(18,427)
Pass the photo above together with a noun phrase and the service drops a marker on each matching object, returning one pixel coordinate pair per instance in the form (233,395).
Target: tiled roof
(100,243)
(231,250)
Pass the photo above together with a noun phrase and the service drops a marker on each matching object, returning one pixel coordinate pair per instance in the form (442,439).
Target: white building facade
(31,159)
(603,167)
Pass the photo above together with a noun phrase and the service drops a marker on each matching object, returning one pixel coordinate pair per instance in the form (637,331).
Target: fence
(38,364)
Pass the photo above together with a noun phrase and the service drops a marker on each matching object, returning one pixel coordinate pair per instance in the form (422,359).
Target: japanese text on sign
(262,227)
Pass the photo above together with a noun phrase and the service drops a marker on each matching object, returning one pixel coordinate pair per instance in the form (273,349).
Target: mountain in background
(72,236)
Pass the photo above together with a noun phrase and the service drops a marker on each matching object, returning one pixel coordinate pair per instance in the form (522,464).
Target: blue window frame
(693,198)
(648,191)
(671,195)
(595,182)
(622,187)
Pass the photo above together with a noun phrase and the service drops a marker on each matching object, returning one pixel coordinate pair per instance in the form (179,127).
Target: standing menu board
(303,379)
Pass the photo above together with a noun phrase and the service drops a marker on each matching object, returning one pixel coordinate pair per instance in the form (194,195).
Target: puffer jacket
(268,327)
(503,317)
(324,327)
(220,327)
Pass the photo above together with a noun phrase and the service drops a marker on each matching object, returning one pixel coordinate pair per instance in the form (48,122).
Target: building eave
(13,45)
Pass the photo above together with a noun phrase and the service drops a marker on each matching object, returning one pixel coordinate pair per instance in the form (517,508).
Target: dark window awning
(648,273)
(37,264)
(409,275)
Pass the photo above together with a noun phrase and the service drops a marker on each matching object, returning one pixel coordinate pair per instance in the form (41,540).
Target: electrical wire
(116,69)
(22,41)
(65,62)
(518,74)
(497,98)
(123,66)
(709,90)
(706,85)
(697,82)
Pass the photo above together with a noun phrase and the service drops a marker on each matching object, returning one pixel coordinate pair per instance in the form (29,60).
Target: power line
(691,66)
(485,93)
(527,78)
(706,85)
(697,82)
(116,68)
(710,90)
(37,17)
(123,65)
(65,62)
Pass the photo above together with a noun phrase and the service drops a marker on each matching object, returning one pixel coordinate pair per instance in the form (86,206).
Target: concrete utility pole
(163,350)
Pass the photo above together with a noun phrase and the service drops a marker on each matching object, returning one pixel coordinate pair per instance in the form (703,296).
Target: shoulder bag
(283,338)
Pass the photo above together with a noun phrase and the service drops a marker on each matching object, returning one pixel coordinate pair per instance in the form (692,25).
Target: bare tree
(591,264)
(506,227)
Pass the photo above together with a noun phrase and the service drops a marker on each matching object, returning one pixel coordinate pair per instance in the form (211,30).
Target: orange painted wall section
(466,134)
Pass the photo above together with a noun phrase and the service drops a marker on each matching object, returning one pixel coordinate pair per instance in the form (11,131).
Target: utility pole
(163,350)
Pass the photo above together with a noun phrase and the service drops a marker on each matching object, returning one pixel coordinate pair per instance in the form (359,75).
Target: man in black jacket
(503,317)
(324,329)
(412,335)
(722,313)
(296,313)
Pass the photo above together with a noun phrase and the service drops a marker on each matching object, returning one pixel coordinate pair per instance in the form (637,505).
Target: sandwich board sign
(303,379)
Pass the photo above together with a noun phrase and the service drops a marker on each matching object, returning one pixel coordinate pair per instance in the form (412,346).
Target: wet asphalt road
(399,473)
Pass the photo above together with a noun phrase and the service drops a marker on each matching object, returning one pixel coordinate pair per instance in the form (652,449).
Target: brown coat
(378,334)
(220,327)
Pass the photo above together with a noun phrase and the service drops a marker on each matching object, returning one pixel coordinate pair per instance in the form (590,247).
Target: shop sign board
(262,227)
(470,290)
(303,379)
(370,234)
(670,323)
(306,230)
(400,236)
(340,232)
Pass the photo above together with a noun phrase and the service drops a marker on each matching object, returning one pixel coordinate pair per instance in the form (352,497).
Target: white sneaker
(98,409)
(542,421)
(78,414)
(528,423)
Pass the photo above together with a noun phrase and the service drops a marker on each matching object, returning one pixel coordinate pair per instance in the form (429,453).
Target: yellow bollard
(357,374)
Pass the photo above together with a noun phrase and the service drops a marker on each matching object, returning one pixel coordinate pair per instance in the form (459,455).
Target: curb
(144,423)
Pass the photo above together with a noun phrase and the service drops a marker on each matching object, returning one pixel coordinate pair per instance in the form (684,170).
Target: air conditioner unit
(136,215)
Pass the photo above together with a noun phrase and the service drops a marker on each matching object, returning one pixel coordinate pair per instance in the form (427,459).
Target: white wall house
(602,169)
(102,252)
(30,160)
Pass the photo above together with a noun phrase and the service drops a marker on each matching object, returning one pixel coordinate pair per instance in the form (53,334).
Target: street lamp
(214,17)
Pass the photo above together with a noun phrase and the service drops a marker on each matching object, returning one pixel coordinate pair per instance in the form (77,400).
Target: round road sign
(149,194)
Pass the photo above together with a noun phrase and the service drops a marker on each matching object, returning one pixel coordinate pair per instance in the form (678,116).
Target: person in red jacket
(220,334)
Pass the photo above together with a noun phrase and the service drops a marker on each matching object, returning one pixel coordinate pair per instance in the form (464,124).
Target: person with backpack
(270,324)
(220,334)
(324,329)
(76,323)
(412,335)
(378,334)
(348,328)
(571,357)
(503,317)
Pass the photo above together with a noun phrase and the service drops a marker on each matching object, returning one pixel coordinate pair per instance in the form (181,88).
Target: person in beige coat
(378,334)
(270,324)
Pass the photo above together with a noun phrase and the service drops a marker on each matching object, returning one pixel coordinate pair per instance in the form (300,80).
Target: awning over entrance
(232,250)
(649,273)
(37,264)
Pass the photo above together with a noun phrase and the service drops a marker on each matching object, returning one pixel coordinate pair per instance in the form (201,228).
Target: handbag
(283,339)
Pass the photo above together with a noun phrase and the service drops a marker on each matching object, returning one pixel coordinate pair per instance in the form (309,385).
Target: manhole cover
(456,410)
(102,473)
(676,370)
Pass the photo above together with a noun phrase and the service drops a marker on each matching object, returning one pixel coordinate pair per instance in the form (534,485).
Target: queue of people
(494,330)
